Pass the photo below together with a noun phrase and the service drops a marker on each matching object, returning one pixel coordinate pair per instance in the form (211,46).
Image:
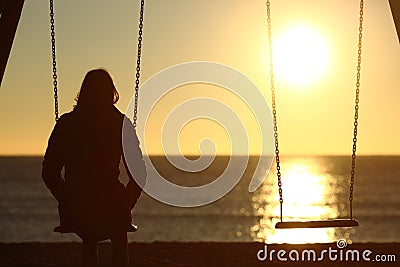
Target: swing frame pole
(395,8)
(10,11)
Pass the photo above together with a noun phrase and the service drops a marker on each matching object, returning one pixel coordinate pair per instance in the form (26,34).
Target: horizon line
(226,155)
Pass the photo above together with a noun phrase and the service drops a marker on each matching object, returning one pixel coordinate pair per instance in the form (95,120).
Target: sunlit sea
(313,188)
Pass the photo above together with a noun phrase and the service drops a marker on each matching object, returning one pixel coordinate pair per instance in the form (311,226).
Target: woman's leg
(120,257)
(89,253)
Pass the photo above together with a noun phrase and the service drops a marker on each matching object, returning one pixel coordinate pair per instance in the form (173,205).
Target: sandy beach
(200,254)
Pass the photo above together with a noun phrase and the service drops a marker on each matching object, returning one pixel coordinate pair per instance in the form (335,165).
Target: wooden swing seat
(317,224)
(62,229)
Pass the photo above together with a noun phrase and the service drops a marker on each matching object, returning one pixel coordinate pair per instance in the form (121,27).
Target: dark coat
(92,201)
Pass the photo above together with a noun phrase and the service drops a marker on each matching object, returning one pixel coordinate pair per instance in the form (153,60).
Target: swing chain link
(272,78)
(138,61)
(356,107)
(54,62)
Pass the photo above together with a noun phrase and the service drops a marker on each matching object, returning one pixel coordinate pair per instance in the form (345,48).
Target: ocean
(313,188)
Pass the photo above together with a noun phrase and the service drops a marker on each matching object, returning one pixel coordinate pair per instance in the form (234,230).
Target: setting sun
(301,55)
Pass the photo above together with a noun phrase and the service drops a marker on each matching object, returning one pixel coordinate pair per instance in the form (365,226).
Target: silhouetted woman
(87,142)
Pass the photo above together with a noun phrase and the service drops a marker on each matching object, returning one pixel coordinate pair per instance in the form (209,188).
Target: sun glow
(300,55)
(306,194)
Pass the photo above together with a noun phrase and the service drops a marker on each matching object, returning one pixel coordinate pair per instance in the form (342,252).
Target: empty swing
(350,221)
(61,228)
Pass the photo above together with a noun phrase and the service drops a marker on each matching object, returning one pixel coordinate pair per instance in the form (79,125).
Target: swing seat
(317,224)
(62,229)
(132,228)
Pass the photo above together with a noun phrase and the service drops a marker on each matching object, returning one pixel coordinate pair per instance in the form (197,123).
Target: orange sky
(316,119)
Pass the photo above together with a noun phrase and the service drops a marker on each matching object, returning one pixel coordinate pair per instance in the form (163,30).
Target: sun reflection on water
(309,193)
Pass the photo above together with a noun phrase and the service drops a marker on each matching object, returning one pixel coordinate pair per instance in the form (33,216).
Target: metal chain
(356,107)
(53,54)
(139,55)
(272,77)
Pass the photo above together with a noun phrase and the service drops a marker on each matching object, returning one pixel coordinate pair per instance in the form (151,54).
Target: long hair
(97,91)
